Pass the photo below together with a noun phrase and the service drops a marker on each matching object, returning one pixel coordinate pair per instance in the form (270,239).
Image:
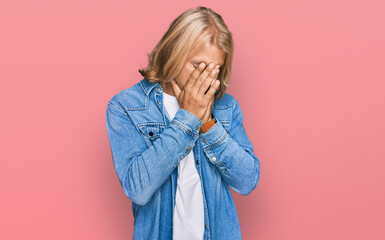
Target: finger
(210,107)
(210,93)
(194,76)
(176,88)
(216,76)
(212,82)
(209,81)
(211,103)
(208,72)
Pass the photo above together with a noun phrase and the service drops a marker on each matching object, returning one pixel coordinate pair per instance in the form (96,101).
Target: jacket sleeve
(141,169)
(233,154)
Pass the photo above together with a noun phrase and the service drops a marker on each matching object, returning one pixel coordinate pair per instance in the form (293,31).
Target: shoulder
(227,101)
(132,98)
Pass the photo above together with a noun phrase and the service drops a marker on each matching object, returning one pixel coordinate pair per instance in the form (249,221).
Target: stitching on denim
(158,124)
(141,107)
(224,166)
(188,112)
(204,195)
(223,137)
(223,107)
(150,88)
(183,127)
(144,130)
(224,121)
(136,126)
(226,125)
(219,163)
(177,124)
(117,108)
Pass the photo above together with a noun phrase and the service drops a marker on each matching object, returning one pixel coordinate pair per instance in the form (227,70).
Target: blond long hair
(192,31)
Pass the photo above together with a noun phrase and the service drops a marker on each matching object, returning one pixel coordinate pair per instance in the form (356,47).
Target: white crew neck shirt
(188,219)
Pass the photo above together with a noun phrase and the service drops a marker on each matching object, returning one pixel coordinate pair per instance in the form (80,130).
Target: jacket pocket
(151,130)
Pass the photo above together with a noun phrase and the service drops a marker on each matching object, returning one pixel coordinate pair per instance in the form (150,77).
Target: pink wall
(309,76)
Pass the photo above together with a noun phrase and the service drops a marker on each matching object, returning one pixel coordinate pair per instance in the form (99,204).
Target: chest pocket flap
(151,130)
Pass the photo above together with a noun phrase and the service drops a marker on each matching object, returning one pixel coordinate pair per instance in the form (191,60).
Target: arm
(232,153)
(141,169)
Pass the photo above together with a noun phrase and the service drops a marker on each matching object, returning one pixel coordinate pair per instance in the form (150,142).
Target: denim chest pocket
(151,131)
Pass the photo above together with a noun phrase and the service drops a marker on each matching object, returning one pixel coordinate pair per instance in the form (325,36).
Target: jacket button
(189,148)
(150,133)
(206,226)
(197,161)
(213,159)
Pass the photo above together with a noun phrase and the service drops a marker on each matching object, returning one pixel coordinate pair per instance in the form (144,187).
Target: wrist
(206,120)
(207,125)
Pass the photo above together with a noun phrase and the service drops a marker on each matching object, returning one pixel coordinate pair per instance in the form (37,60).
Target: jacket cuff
(215,140)
(214,136)
(188,122)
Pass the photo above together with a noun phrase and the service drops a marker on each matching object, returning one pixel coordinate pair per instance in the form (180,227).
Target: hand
(193,97)
(207,116)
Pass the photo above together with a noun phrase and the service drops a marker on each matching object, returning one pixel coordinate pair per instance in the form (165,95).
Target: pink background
(309,76)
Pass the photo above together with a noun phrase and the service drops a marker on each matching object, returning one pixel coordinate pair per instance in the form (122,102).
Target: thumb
(176,88)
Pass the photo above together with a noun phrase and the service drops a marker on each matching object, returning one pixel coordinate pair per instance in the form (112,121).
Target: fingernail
(211,65)
(202,65)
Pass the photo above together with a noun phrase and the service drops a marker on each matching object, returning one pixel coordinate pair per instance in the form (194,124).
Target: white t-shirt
(188,219)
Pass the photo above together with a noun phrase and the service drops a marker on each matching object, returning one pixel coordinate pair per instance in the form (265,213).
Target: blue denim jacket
(147,147)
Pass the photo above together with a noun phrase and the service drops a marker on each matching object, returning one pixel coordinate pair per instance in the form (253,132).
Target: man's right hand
(192,96)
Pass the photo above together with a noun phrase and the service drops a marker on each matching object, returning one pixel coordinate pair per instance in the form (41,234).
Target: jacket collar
(147,86)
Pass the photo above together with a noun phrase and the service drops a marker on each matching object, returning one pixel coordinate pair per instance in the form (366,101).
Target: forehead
(210,54)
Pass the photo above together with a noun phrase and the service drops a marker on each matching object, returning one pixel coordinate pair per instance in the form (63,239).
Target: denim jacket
(146,148)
